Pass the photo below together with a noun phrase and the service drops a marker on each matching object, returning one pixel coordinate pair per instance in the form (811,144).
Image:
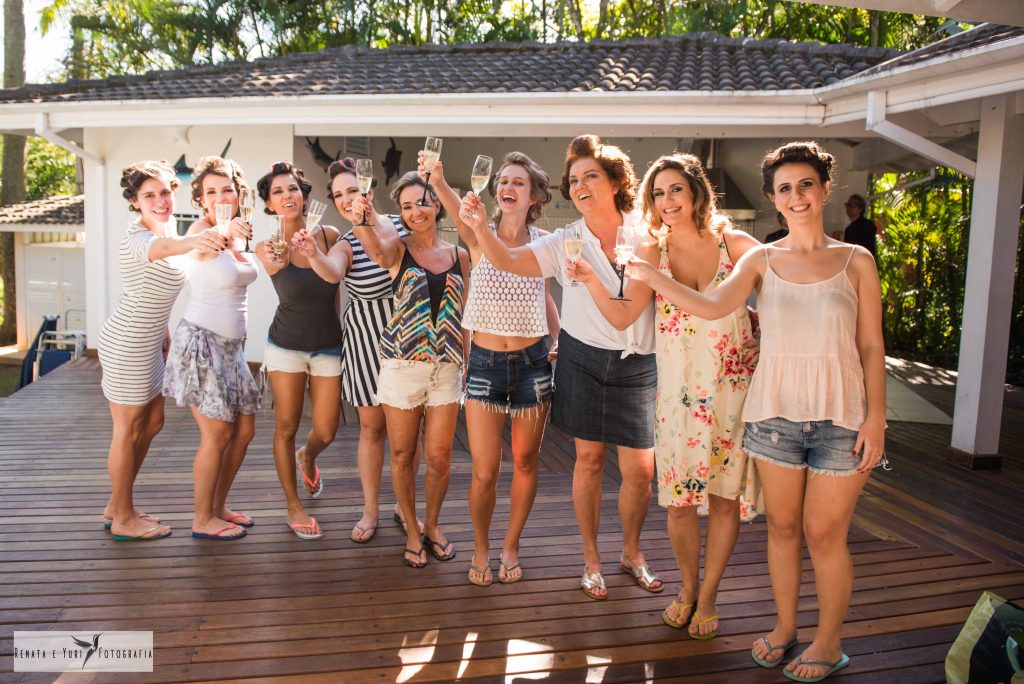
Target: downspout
(99,178)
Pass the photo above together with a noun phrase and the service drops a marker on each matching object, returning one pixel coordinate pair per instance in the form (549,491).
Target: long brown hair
(540,184)
(705,204)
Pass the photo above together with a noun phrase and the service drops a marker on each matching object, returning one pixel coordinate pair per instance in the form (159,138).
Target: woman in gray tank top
(304,342)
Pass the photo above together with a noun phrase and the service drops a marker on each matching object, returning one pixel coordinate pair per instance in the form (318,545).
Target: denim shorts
(818,445)
(324,362)
(510,382)
(411,384)
(602,397)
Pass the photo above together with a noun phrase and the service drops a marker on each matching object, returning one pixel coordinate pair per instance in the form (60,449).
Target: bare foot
(364,529)
(401,519)
(705,620)
(509,571)
(139,528)
(776,637)
(108,514)
(218,527)
(817,652)
(235,517)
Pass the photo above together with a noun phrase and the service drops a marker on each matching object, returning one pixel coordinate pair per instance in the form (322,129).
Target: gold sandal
(592,583)
(645,577)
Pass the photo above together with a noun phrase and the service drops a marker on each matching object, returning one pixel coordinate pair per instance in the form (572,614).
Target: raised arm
(871,439)
(620,313)
(519,260)
(450,201)
(208,241)
(722,300)
(380,239)
(332,266)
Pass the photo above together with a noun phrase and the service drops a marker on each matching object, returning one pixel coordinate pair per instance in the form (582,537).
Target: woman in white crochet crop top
(509,370)
(815,412)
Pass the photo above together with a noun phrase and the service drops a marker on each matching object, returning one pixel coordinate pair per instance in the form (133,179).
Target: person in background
(368,308)
(861,231)
(304,341)
(782,232)
(509,368)
(134,341)
(206,367)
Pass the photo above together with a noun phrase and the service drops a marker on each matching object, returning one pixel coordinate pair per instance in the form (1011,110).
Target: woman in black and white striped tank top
(368,308)
(134,339)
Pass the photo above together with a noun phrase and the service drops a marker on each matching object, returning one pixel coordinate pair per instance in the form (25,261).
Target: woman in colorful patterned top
(817,440)
(134,341)
(509,371)
(704,369)
(422,355)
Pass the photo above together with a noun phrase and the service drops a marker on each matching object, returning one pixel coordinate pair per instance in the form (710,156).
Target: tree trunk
(13,160)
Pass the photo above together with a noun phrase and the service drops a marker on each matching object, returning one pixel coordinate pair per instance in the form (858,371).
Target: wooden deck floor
(928,539)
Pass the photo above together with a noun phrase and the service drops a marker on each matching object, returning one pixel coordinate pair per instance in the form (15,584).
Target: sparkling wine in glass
(278,245)
(224,213)
(364,178)
(431,153)
(572,239)
(481,175)
(624,249)
(314,212)
(246,207)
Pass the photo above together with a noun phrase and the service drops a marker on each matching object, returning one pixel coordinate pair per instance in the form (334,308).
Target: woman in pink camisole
(815,411)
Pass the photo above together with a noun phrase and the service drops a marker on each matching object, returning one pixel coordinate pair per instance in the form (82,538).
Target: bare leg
(586,499)
(438,434)
(527,433)
(134,426)
(214,437)
(484,426)
(684,533)
(289,394)
(637,468)
(403,433)
(784,502)
(242,433)
(325,397)
(723,528)
(829,501)
(370,455)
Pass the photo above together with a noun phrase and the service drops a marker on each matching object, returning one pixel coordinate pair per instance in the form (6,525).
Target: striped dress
(369,307)
(131,342)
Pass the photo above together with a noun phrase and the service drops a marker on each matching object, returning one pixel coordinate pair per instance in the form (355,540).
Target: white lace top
(502,303)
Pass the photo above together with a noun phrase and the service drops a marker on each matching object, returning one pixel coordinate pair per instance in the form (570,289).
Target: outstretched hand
(638,269)
(473,212)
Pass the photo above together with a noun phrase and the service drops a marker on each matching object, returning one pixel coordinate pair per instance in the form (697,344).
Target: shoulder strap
(850,257)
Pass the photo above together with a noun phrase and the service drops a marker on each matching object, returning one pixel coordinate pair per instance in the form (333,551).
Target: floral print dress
(703,377)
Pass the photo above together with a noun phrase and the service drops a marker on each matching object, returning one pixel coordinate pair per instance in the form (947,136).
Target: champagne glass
(314,212)
(431,153)
(624,248)
(278,245)
(246,207)
(224,213)
(364,177)
(480,176)
(572,239)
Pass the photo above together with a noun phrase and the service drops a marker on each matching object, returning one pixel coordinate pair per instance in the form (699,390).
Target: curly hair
(216,166)
(283,168)
(340,166)
(540,184)
(705,204)
(412,178)
(612,159)
(796,153)
(132,178)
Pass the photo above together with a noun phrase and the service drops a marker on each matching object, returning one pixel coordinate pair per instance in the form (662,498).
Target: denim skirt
(602,397)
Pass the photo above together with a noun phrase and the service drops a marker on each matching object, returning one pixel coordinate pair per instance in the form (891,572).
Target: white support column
(988,297)
(96,276)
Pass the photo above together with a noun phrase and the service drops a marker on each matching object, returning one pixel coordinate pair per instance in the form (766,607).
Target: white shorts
(326,362)
(411,384)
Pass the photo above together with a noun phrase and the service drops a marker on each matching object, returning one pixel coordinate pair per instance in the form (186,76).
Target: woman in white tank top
(206,367)
(815,412)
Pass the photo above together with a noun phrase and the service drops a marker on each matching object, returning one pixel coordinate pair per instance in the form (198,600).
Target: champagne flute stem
(426,187)
(622,280)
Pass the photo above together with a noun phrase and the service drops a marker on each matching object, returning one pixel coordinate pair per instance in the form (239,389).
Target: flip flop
(143,536)
(219,534)
(504,571)
(108,523)
(298,528)
(764,662)
(398,519)
(485,575)
(706,636)
(417,564)
(362,531)
(442,552)
(314,487)
(832,667)
(645,577)
(680,609)
(241,519)
(591,583)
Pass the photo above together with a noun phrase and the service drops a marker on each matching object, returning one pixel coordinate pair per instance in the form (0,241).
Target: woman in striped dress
(134,341)
(369,307)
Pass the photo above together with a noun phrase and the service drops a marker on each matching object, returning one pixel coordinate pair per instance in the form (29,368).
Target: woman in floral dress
(704,368)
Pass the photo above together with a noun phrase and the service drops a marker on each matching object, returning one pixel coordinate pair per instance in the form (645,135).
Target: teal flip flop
(773,663)
(832,667)
(143,537)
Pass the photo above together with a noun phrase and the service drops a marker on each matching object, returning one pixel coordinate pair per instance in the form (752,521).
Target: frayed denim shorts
(817,445)
(510,382)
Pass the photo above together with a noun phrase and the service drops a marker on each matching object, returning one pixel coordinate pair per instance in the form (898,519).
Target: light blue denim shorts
(816,445)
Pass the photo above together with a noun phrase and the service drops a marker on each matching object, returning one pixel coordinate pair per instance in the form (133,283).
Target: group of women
(674,374)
